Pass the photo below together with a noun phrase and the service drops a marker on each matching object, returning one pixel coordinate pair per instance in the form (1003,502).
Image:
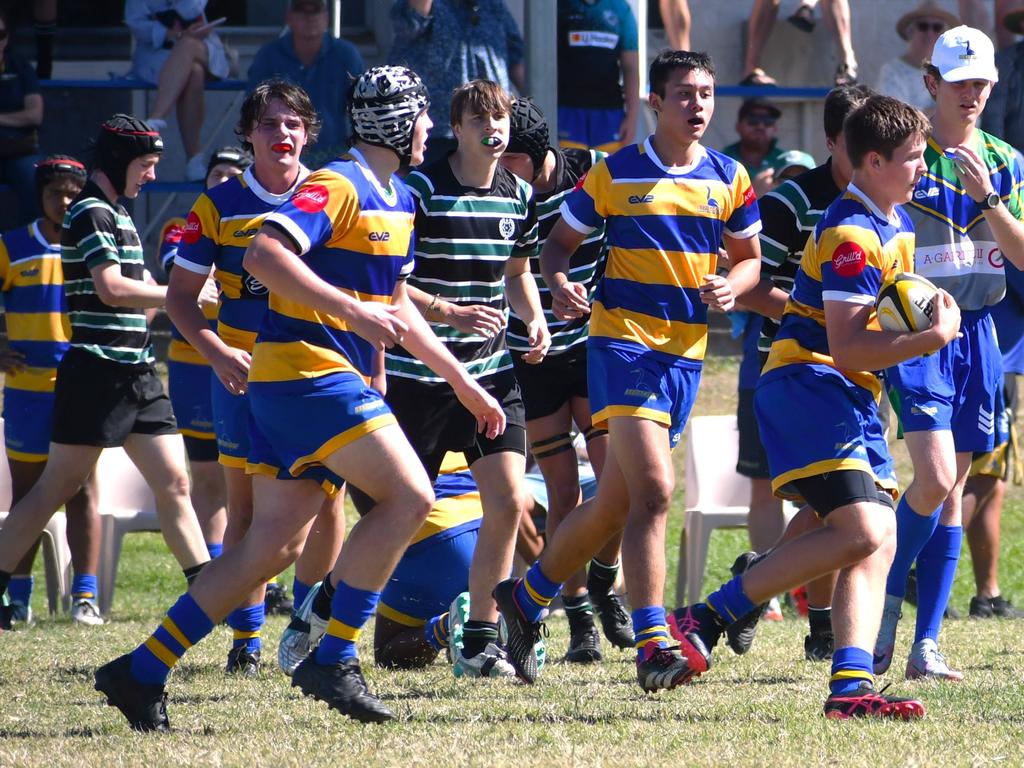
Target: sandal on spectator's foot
(758,76)
(846,75)
(803,18)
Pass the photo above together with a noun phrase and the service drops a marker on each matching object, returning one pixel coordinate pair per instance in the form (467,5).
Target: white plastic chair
(126,505)
(717,496)
(56,554)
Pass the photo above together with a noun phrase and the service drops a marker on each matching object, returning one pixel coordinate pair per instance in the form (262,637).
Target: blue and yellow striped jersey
(180,351)
(218,229)
(664,225)
(37,319)
(357,236)
(457,504)
(854,249)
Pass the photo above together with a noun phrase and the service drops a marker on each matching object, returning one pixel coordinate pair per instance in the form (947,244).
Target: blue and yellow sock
(936,569)
(84,586)
(351,608)
(650,626)
(912,532)
(730,602)
(20,589)
(534,593)
(300,590)
(246,623)
(184,626)
(850,667)
(437,632)
(216,549)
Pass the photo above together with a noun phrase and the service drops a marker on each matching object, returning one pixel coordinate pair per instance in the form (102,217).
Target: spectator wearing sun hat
(901,77)
(1004,115)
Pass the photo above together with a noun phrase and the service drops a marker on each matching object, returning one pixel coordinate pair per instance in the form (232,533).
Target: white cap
(965,53)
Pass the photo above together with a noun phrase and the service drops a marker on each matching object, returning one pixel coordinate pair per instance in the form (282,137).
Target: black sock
(5,579)
(324,596)
(820,619)
(580,613)
(192,572)
(710,626)
(45,32)
(476,635)
(601,577)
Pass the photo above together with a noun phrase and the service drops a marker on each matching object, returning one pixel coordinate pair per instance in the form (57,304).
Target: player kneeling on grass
(821,358)
(334,259)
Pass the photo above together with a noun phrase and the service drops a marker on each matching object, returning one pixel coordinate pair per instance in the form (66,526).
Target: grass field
(763,708)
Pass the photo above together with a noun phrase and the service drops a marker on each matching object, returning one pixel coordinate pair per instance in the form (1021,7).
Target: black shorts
(549,385)
(752,461)
(201,448)
(99,402)
(833,490)
(435,422)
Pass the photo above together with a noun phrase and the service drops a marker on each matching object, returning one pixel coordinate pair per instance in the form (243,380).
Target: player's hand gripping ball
(905,303)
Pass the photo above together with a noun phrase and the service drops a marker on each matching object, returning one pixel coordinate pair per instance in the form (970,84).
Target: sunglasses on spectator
(930,26)
(766,120)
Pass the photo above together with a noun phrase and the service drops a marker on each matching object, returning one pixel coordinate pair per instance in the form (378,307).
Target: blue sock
(184,626)
(534,592)
(84,586)
(650,626)
(912,531)
(247,623)
(216,549)
(730,601)
(300,590)
(20,589)
(850,667)
(351,608)
(936,567)
(437,632)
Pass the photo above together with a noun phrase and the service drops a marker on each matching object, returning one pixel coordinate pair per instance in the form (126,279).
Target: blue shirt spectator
(450,42)
(308,56)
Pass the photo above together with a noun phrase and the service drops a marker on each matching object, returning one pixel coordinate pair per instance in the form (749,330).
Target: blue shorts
(296,424)
(431,574)
(954,389)
(643,384)
(582,128)
(189,388)
(830,424)
(28,424)
(230,423)
(996,463)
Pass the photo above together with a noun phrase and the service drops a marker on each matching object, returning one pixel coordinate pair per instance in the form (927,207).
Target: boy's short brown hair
(881,124)
(480,97)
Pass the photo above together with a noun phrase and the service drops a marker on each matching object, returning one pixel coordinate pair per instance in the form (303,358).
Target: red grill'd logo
(173,233)
(311,199)
(193,229)
(848,260)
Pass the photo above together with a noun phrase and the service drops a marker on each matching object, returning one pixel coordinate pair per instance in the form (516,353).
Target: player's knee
(174,487)
(563,497)
(877,533)
(653,500)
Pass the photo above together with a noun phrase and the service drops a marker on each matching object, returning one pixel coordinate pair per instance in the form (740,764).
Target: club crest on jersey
(506,227)
(312,198)
(849,260)
(193,229)
(711,205)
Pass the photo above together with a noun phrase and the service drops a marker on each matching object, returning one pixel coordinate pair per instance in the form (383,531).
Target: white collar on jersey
(270,197)
(674,170)
(387,193)
(37,233)
(853,189)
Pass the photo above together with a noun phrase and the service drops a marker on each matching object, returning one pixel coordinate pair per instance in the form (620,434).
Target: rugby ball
(904,303)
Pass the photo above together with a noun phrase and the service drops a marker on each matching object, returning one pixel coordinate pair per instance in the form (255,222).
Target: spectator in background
(309,56)
(1004,115)
(450,42)
(789,165)
(762,20)
(675,15)
(757,148)
(597,37)
(177,50)
(902,77)
(21,114)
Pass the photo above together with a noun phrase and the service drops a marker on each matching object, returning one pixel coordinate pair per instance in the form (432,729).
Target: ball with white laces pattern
(904,303)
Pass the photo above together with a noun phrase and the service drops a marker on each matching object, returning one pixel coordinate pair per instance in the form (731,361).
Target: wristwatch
(989,201)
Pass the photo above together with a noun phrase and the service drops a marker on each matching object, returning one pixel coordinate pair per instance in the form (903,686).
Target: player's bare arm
(116,290)
(977,181)
(744,273)
(522,294)
(568,299)
(478,319)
